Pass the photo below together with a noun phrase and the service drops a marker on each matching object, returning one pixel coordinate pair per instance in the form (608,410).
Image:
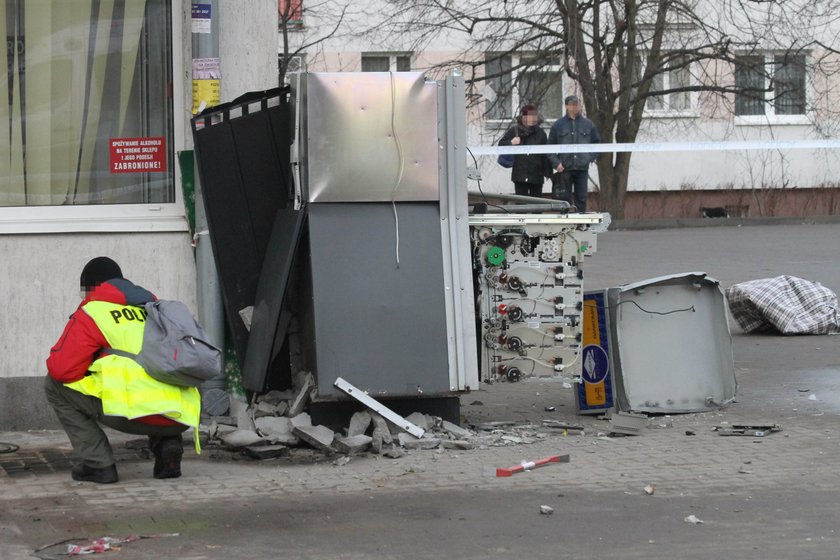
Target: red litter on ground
(528,465)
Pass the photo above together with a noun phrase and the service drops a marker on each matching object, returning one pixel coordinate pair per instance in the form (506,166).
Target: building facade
(792,79)
(97,100)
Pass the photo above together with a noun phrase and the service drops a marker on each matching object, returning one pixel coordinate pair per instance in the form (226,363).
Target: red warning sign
(138,155)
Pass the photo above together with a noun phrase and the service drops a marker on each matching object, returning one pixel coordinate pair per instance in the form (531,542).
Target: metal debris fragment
(748,430)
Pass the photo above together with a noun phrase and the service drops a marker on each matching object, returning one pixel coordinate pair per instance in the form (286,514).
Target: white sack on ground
(784,304)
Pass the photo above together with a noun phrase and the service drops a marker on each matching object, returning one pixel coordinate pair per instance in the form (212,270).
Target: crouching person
(89,388)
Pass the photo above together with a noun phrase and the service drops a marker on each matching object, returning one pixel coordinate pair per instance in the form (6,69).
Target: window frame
(769,117)
(142,217)
(668,111)
(296,10)
(393,59)
(515,98)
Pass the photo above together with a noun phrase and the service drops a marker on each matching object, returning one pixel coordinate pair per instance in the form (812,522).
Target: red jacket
(82,341)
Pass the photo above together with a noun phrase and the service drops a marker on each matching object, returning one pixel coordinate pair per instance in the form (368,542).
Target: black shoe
(105,475)
(168,452)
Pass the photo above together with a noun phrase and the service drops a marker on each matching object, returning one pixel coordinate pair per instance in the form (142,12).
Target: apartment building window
(379,62)
(674,102)
(515,80)
(786,97)
(294,65)
(291,12)
(87,104)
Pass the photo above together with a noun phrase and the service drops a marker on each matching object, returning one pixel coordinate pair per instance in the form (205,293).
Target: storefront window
(86,102)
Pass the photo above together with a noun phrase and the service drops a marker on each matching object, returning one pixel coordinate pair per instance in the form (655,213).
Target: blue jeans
(571,186)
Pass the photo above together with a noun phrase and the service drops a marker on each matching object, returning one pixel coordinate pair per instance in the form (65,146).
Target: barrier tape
(655,147)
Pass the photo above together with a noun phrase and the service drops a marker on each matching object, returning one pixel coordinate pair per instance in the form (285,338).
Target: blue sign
(201,11)
(596,364)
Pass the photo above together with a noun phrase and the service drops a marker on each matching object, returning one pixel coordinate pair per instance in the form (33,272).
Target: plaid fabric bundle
(785,304)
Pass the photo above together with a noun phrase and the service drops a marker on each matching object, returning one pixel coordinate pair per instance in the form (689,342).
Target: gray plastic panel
(380,326)
(371,136)
(672,346)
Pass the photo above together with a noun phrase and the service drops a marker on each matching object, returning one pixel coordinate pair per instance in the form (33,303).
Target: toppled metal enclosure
(671,345)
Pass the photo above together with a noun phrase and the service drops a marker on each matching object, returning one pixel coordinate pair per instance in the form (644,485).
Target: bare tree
(304,26)
(618,53)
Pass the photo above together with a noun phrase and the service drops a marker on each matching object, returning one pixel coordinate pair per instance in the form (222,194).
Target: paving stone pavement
(806,451)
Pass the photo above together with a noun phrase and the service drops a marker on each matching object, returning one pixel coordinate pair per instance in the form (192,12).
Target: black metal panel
(242,150)
(266,324)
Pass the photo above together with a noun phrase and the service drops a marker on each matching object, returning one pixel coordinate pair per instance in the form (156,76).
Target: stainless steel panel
(371,137)
(455,236)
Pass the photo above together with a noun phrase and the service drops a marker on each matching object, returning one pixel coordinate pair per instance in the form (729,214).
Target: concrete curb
(674,223)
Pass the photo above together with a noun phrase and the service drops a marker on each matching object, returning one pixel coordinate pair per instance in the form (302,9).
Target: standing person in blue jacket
(572,170)
(529,170)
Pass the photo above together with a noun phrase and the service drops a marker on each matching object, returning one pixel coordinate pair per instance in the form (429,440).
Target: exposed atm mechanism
(530,272)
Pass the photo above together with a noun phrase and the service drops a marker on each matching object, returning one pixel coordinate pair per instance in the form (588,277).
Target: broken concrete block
(456,431)
(274,425)
(628,423)
(267,409)
(421,420)
(239,410)
(359,423)
(319,437)
(266,451)
(352,444)
(301,420)
(376,441)
(241,438)
(459,444)
(276,397)
(302,397)
(381,425)
(410,442)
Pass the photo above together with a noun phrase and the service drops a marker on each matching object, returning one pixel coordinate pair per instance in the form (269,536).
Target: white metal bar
(380,408)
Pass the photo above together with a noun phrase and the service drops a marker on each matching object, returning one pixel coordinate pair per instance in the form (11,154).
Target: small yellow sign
(206,92)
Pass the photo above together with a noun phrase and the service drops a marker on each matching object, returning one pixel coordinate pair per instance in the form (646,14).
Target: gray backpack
(175,347)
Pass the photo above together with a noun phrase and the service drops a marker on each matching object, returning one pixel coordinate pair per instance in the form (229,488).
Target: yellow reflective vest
(120,383)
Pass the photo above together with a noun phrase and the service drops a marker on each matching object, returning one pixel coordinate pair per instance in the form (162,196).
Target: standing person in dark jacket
(529,170)
(572,170)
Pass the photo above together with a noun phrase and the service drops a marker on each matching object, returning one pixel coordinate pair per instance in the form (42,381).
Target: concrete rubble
(319,437)
(275,424)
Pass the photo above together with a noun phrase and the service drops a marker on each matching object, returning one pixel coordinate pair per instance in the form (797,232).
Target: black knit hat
(98,270)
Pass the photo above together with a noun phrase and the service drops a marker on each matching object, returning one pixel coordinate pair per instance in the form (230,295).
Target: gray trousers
(81,416)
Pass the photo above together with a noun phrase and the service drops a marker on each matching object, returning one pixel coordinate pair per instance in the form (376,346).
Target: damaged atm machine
(341,225)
